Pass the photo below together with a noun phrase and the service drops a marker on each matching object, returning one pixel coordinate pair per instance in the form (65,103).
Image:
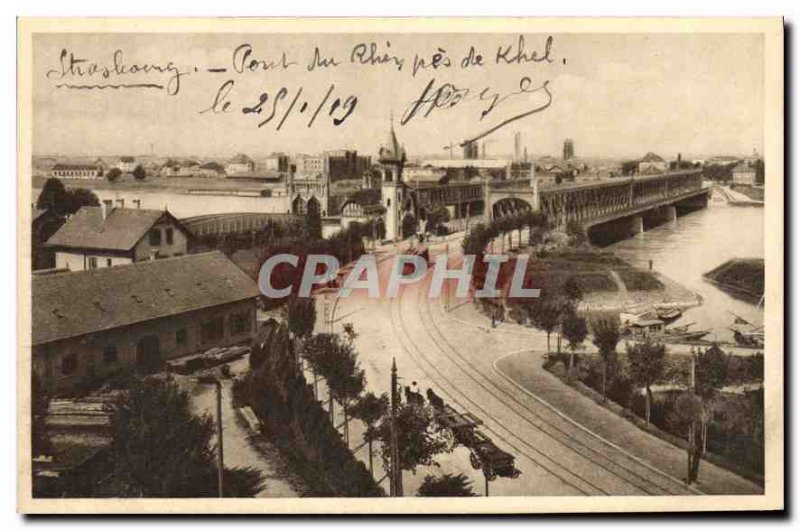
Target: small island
(742,278)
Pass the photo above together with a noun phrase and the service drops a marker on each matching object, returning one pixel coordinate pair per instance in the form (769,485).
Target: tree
(605,333)
(577,233)
(313,221)
(419,440)
(56,197)
(575,330)
(160,449)
(545,313)
(139,172)
(302,316)
(370,409)
(686,414)
(573,290)
(113,174)
(447,485)
(345,381)
(646,365)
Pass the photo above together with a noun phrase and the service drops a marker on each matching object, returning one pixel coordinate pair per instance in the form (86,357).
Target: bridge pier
(670,213)
(637,224)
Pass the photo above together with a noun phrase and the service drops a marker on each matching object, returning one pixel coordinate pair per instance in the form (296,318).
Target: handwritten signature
(447,96)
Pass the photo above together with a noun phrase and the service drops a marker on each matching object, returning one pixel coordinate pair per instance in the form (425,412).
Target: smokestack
(106,209)
(120,203)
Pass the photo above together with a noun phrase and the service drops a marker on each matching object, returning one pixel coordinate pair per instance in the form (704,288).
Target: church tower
(392,157)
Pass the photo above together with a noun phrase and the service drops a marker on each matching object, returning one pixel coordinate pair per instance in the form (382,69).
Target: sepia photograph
(347,265)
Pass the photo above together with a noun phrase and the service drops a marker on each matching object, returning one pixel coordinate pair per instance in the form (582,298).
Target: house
(188,168)
(91,324)
(744,174)
(126,164)
(652,163)
(76,171)
(362,206)
(240,164)
(210,170)
(105,236)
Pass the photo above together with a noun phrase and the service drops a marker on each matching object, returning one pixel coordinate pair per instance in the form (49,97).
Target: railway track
(633,480)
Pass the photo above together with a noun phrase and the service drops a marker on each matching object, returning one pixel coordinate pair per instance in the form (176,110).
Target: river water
(183,205)
(694,244)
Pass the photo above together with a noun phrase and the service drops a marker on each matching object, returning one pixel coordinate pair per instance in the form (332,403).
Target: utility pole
(446,287)
(395,485)
(209,379)
(220,460)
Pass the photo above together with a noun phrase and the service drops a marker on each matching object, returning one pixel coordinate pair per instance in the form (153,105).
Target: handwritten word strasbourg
(81,74)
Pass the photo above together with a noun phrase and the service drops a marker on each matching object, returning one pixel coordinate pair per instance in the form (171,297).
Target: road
(565,443)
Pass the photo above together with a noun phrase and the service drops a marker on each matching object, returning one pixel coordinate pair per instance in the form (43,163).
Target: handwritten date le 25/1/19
(278,107)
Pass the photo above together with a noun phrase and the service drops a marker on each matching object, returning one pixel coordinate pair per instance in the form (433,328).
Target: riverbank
(742,278)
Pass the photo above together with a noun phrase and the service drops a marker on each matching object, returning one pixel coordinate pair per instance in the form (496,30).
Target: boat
(668,314)
(746,333)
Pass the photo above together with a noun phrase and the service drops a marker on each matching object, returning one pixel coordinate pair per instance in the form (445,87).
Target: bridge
(231,223)
(631,204)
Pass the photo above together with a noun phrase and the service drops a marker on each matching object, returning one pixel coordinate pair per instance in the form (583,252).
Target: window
(240,323)
(181,337)
(92,262)
(212,330)
(69,364)
(155,237)
(169,236)
(108,262)
(110,354)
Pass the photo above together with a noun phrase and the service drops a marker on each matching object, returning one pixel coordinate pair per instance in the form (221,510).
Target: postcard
(400,266)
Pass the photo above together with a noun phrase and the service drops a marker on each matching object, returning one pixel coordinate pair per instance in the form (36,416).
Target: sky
(614,95)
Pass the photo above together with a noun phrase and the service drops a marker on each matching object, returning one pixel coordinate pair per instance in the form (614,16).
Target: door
(148,355)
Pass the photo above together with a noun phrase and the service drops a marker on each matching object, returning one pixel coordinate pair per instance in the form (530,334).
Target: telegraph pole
(395,486)
(220,462)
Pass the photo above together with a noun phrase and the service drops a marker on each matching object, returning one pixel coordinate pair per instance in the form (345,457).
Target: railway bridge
(623,206)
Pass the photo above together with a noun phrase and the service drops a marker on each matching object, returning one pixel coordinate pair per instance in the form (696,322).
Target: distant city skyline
(615,96)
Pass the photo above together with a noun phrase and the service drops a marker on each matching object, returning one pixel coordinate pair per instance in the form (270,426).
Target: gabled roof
(120,231)
(651,157)
(90,167)
(70,304)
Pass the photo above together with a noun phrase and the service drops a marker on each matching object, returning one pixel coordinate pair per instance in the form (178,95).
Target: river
(183,205)
(695,244)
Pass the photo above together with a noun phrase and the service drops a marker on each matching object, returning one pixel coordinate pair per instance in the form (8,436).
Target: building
(392,157)
(104,236)
(744,174)
(361,206)
(423,174)
(88,325)
(345,164)
(240,164)
(210,170)
(126,164)
(313,166)
(569,149)
(277,162)
(76,171)
(652,163)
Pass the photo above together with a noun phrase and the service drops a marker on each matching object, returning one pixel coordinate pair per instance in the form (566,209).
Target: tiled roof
(121,230)
(240,159)
(90,167)
(70,304)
